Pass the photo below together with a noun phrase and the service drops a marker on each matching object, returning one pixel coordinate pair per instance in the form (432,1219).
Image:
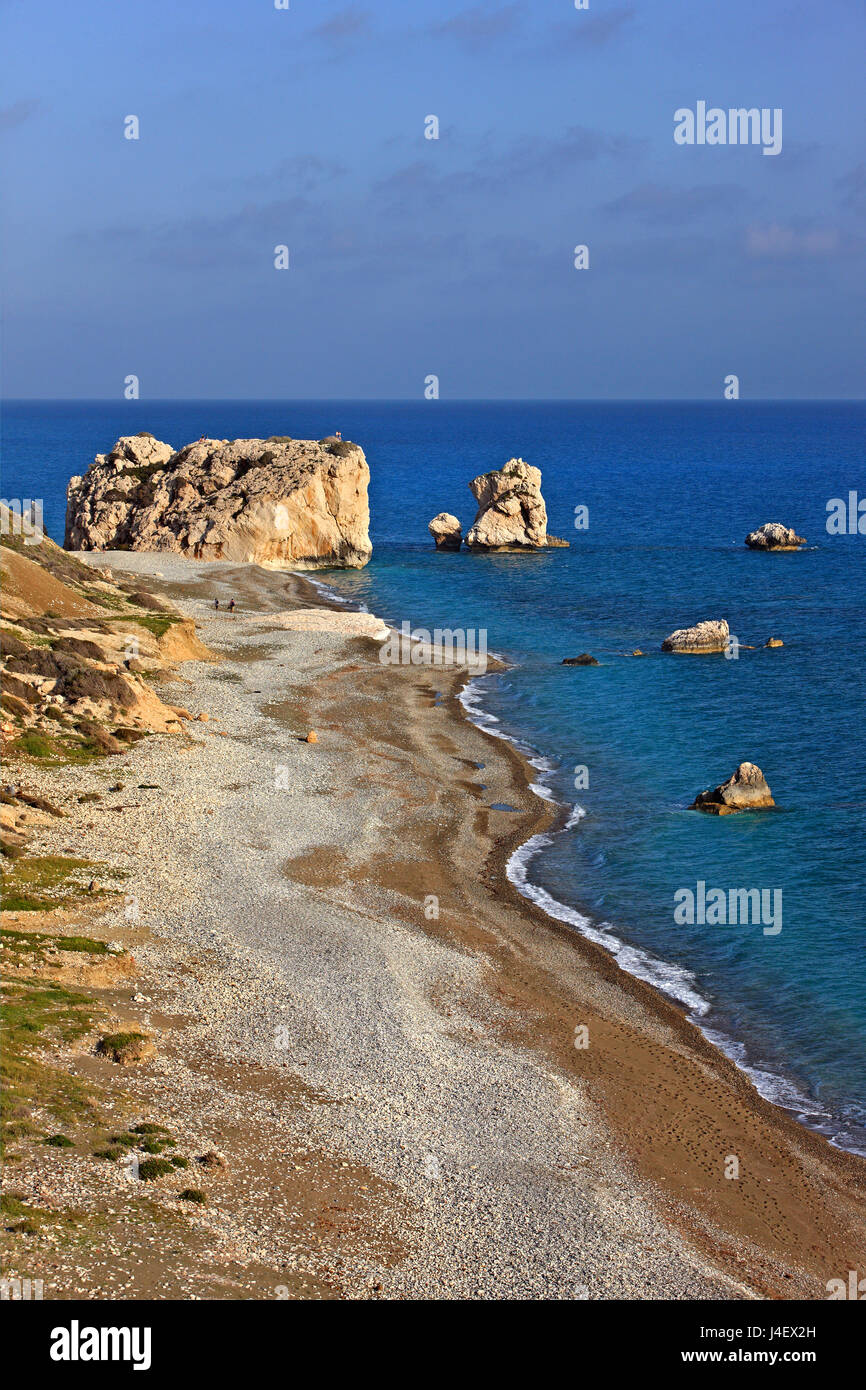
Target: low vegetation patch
(34,1016)
(153,1168)
(29,942)
(157,623)
(340,448)
(38,883)
(36,745)
(125,1048)
(56,749)
(103,598)
(143,472)
(149,1138)
(20,1216)
(110,1152)
(156,1146)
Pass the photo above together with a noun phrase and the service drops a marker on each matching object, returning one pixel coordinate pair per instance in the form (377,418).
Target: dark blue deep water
(672,490)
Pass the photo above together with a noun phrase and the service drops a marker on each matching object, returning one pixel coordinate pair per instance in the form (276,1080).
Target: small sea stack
(745,790)
(709,636)
(511,510)
(583,660)
(446,531)
(774,536)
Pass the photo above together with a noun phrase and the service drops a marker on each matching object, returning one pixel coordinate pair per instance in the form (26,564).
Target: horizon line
(450,400)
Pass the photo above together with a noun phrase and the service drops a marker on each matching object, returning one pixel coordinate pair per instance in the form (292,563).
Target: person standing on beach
(231,605)
(216,603)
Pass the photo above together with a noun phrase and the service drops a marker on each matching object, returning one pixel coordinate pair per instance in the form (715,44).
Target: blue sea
(672,489)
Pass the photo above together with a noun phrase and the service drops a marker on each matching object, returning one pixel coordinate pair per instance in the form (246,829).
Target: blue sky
(411,257)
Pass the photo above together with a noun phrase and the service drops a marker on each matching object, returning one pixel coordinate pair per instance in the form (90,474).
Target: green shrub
(12,1206)
(83,944)
(35,745)
(143,472)
(154,1168)
(156,1146)
(123,1047)
(340,448)
(192,1194)
(111,1152)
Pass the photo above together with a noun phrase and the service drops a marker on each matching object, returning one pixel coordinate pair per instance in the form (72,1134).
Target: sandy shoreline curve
(336,921)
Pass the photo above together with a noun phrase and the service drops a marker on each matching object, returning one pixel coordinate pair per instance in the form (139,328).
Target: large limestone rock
(282,503)
(709,636)
(446,531)
(511,511)
(774,536)
(745,790)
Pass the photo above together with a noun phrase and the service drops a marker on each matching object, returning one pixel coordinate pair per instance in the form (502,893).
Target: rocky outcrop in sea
(774,536)
(511,511)
(709,636)
(446,531)
(279,502)
(745,790)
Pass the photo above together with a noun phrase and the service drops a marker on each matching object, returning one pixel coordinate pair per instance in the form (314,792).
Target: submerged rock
(583,660)
(709,636)
(280,502)
(446,531)
(774,536)
(511,510)
(745,790)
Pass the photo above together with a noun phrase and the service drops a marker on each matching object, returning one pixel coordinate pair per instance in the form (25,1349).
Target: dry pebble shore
(384,1137)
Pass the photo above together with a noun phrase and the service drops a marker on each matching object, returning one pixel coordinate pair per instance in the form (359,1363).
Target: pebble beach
(379,1045)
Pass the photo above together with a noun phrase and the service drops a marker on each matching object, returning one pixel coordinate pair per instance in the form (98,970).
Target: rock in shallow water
(709,636)
(583,660)
(774,536)
(446,531)
(511,510)
(745,790)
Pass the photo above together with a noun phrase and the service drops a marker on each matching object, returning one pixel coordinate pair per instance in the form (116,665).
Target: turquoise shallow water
(672,490)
